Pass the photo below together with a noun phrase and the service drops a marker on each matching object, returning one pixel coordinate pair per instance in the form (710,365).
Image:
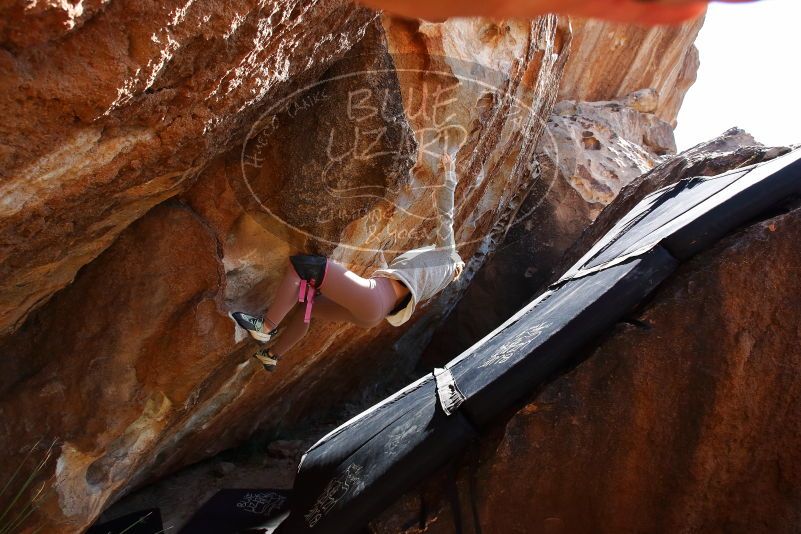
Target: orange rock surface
(159,161)
(135,367)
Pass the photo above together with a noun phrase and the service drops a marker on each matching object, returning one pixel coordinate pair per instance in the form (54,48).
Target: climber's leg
(369,300)
(362,301)
(296,328)
(285,297)
(264,328)
(293,331)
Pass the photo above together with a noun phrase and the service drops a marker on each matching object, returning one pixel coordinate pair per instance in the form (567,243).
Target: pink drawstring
(306,292)
(310,291)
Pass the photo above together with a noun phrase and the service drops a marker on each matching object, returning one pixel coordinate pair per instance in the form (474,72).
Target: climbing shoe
(254,325)
(267,359)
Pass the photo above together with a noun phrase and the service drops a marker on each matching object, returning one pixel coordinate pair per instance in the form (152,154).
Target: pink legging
(345,296)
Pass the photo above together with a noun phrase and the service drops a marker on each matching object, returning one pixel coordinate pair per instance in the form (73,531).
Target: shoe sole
(267,367)
(260,336)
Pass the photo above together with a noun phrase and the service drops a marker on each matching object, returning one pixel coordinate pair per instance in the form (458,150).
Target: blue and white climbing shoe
(254,325)
(267,359)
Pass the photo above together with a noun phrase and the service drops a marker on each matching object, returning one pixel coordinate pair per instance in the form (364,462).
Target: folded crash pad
(231,511)
(354,472)
(544,337)
(144,522)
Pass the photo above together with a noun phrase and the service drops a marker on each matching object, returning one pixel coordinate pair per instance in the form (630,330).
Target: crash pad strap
(447,391)
(587,271)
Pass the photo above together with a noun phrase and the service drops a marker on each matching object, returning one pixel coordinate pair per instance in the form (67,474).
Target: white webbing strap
(447,392)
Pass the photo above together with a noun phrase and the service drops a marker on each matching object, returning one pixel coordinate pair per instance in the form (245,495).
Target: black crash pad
(544,337)
(144,522)
(356,471)
(692,214)
(231,511)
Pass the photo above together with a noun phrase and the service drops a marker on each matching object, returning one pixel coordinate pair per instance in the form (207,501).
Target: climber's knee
(372,312)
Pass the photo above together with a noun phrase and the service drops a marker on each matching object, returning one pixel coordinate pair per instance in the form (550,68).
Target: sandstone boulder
(159,162)
(684,420)
(140,348)
(610,61)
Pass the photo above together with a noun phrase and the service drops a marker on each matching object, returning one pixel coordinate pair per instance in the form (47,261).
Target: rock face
(159,161)
(176,161)
(112,108)
(684,419)
(634,439)
(620,92)
(589,151)
(611,60)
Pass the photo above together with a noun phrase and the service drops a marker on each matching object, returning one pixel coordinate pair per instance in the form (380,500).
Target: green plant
(141,520)
(14,514)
